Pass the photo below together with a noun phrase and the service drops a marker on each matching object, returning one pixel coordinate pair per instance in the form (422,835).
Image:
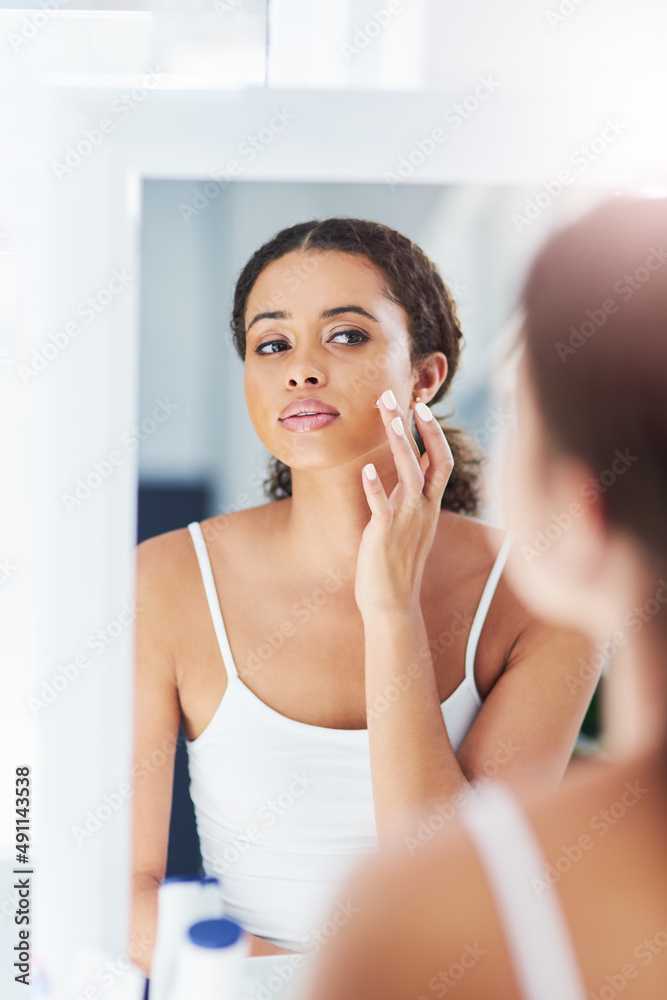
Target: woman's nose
(303,368)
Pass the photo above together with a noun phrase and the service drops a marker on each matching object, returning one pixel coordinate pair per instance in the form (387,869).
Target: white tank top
(284,809)
(536,932)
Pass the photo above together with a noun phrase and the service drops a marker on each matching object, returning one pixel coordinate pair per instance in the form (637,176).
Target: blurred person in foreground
(561,895)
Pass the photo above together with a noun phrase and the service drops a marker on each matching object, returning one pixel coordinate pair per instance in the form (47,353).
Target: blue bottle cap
(209,880)
(219,932)
(193,877)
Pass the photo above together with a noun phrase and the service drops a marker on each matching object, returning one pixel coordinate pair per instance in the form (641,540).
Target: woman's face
(335,336)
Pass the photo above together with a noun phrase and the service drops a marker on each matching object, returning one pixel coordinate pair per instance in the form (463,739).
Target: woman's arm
(156,722)
(413,764)
(527,727)
(524,732)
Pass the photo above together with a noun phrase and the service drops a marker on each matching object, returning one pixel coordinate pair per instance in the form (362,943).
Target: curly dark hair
(413,282)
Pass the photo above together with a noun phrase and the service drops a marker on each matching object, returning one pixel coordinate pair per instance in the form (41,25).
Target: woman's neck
(325,517)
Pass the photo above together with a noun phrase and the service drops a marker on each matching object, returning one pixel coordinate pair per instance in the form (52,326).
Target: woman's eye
(355,333)
(339,333)
(268,343)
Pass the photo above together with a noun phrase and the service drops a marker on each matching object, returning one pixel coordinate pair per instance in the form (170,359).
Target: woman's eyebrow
(327,314)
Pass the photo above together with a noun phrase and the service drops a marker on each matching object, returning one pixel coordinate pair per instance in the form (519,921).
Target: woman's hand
(399,535)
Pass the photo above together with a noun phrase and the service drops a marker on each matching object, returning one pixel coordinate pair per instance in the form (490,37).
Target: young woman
(324,652)
(564,896)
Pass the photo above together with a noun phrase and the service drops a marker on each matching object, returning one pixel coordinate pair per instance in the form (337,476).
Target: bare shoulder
(466,547)
(171,554)
(478,545)
(512,633)
(162,564)
(167,566)
(161,559)
(166,573)
(431,904)
(475,535)
(225,531)
(424,923)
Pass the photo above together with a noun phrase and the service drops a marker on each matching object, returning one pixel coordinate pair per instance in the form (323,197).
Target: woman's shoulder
(235,537)
(160,557)
(164,564)
(468,551)
(168,574)
(471,541)
(402,888)
(176,547)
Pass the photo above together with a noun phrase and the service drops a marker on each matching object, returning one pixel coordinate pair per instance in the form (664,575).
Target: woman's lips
(309,422)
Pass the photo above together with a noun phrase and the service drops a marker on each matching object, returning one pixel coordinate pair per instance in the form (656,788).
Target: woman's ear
(430,375)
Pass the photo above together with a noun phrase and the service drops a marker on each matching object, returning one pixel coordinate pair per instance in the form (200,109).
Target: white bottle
(209,963)
(182,900)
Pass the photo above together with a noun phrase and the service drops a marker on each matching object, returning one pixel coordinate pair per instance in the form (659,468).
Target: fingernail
(370,471)
(423,411)
(397,424)
(389,399)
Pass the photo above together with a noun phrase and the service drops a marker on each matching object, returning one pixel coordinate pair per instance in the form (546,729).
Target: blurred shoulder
(423,923)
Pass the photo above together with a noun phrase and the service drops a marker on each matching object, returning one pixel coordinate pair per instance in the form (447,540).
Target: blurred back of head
(595,307)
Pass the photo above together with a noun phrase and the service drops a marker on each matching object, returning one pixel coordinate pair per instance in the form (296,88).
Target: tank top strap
(212,597)
(483,607)
(536,932)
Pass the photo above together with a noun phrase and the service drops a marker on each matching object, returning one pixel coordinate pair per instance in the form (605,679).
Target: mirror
(199,454)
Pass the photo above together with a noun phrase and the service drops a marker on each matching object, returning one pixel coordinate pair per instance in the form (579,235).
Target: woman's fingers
(426,474)
(403,445)
(375,494)
(438,467)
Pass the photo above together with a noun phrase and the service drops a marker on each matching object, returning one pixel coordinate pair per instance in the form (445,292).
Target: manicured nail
(423,411)
(370,471)
(389,399)
(397,424)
